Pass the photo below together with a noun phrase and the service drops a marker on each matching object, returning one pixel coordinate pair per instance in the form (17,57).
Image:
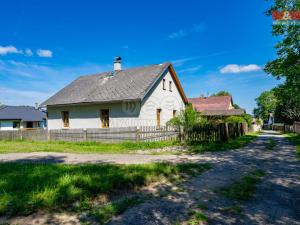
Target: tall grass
(25,188)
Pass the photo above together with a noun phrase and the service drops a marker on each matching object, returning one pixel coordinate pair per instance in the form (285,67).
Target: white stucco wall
(165,100)
(89,116)
(122,114)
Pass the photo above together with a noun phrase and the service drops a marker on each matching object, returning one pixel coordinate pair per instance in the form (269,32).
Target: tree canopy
(287,64)
(266,104)
(221,93)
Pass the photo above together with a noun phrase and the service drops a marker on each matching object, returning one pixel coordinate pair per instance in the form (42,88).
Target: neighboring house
(21,117)
(215,106)
(142,96)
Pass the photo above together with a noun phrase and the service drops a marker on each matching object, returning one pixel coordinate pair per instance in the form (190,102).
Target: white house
(21,117)
(142,96)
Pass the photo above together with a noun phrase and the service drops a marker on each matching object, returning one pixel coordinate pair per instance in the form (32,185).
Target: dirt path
(277,199)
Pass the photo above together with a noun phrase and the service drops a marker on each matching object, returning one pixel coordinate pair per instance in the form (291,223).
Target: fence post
(137,135)
(48,135)
(226,131)
(84,135)
(21,135)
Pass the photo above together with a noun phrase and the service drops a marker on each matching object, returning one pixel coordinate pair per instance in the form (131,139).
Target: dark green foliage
(222,93)
(266,104)
(287,64)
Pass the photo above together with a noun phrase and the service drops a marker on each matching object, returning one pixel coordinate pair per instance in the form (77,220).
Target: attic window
(170,85)
(164,84)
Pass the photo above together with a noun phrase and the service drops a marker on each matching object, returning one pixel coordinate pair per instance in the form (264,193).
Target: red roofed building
(215,106)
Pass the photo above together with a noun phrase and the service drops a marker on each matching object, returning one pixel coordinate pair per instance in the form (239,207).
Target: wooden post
(226,131)
(137,135)
(84,134)
(48,135)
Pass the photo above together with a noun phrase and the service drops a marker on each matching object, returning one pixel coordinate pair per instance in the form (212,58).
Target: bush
(188,118)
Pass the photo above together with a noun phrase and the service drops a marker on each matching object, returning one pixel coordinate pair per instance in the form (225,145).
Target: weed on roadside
(271,144)
(243,189)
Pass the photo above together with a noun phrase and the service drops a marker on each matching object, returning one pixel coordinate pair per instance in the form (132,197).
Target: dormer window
(164,84)
(170,85)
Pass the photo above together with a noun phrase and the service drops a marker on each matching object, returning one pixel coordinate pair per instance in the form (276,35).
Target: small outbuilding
(21,117)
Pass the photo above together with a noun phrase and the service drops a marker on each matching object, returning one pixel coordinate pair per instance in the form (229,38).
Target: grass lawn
(231,144)
(26,188)
(295,139)
(79,147)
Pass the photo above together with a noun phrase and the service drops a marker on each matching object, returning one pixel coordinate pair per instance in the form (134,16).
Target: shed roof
(24,113)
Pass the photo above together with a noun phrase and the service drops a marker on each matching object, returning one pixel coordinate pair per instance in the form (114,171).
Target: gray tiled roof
(25,113)
(130,84)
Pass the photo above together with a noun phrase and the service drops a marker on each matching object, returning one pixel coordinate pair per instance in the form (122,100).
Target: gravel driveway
(277,200)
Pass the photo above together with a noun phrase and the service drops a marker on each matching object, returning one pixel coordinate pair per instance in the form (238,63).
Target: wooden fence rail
(221,132)
(287,128)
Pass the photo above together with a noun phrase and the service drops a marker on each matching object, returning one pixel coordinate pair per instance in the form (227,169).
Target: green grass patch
(271,144)
(295,139)
(232,209)
(223,146)
(80,147)
(25,188)
(196,218)
(243,189)
(103,214)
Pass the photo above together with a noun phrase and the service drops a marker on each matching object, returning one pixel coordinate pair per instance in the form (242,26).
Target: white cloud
(28,52)
(177,35)
(190,69)
(4,50)
(185,32)
(44,53)
(234,68)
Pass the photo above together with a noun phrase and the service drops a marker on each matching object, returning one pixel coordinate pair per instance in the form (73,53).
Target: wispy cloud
(10,49)
(190,69)
(4,50)
(44,53)
(28,52)
(235,68)
(27,83)
(185,32)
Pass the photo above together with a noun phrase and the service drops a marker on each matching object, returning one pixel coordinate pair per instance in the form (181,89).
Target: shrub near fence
(220,132)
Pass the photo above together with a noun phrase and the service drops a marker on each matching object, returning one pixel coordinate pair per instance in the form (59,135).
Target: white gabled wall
(162,99)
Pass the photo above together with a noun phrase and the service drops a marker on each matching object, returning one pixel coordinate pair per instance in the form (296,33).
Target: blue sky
(214,45)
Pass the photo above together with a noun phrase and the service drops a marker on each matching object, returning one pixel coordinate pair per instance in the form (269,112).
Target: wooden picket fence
(145,134)
(287,128)
(221,132)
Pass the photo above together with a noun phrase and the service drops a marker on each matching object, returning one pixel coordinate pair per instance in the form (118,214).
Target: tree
(222,93)
(188,118)
(266,104)
(236,106)
(287,64)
